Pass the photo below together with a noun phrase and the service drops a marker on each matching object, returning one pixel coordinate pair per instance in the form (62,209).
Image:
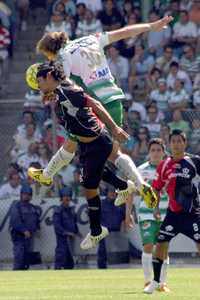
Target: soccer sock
(147,266)
(163,274)
(111,178)
(157,265)
(60,159)
(127,166)
(94,213)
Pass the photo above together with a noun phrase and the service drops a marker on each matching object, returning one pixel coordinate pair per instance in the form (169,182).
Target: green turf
(94,284)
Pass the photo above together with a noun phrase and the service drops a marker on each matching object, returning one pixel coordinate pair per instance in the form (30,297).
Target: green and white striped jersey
(85,63)
(148,172)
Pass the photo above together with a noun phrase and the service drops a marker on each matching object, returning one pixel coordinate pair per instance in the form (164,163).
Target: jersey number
(93,57)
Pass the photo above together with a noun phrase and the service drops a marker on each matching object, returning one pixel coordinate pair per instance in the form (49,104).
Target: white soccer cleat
(91,241)
(149,289)
(123,194)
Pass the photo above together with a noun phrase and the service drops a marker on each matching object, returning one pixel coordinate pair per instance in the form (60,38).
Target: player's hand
(157,214)
(119,134)
(161,24)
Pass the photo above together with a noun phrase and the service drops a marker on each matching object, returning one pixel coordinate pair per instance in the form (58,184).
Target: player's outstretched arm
(136,29)
(118,133)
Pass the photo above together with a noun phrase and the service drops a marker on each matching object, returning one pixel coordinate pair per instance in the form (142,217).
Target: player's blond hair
(52,42)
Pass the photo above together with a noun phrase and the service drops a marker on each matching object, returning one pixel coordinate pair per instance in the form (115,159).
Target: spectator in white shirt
(31,156)
(22,141)
(189,62)
(69,7)
(176,73)
(57,23)
(157,40)
(161,95)
(119,67)
(136,106)
(163,62)
(88,25)
(196,97)
(153,121)
(185,31)
(12,188)
(178,97)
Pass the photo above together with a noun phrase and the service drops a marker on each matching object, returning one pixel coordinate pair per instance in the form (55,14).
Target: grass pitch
(117,284)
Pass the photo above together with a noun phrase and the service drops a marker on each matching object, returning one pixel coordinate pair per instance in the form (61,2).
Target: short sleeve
(103,39)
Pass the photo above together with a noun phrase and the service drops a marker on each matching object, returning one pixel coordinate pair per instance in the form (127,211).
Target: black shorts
(93,157)
(182,222)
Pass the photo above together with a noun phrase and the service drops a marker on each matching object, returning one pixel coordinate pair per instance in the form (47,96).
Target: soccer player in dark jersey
(84,117)
(178,174)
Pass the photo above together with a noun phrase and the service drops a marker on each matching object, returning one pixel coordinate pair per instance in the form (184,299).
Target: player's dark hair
(54,68)
(156,141)
(177,132)
(52,42)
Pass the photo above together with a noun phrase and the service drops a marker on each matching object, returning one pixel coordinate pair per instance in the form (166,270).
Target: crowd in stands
(158,71)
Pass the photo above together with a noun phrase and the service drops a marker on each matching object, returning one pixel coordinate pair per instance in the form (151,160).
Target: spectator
(129,145)
(58,24)
(110,17)
(30,156)
(95,5)
(189,62)
(127,11)
(196,97)
(185,32)
(69,7)
(178,122)
(44,155)
(88,25)
(119,67)
(28,118)
(136,106)
(141,149)
(13,168)
(4,42)
(5,14)
(194,138)
(23,7)
(178,98)
(77,188)
(65,226)
(140,65)
(174,11)
(164,135)
(127,46)
(134,119)
(176,73)
(48,137)
(152,78)
(161,95)
(196,82)
(163,62)
(113,218)
(12,188)
(153,121)
(80,12)
(22,141)
(24,222)
(156,41)
(186,5)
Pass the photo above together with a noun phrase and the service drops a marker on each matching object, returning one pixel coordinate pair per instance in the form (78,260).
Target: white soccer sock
(147,266)
(57,162)
(163,274)
(127,166)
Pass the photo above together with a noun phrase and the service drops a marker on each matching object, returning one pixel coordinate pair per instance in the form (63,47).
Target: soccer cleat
(149,289)
(149,196)
(123,194)
(37,175)
(91,241)
(163,288)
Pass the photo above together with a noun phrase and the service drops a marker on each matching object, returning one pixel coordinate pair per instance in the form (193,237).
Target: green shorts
(149,230)
(115,109)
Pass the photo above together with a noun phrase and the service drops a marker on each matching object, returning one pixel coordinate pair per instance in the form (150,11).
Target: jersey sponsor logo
(195,227)
(146,225)
(71,110)
(169,228)
(99,73)
(196,236)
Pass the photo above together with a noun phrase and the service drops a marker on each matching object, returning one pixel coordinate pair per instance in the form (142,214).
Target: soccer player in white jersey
(84,61)
(149,219)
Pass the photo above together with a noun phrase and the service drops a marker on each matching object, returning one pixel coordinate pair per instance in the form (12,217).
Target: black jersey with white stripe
(74,113)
